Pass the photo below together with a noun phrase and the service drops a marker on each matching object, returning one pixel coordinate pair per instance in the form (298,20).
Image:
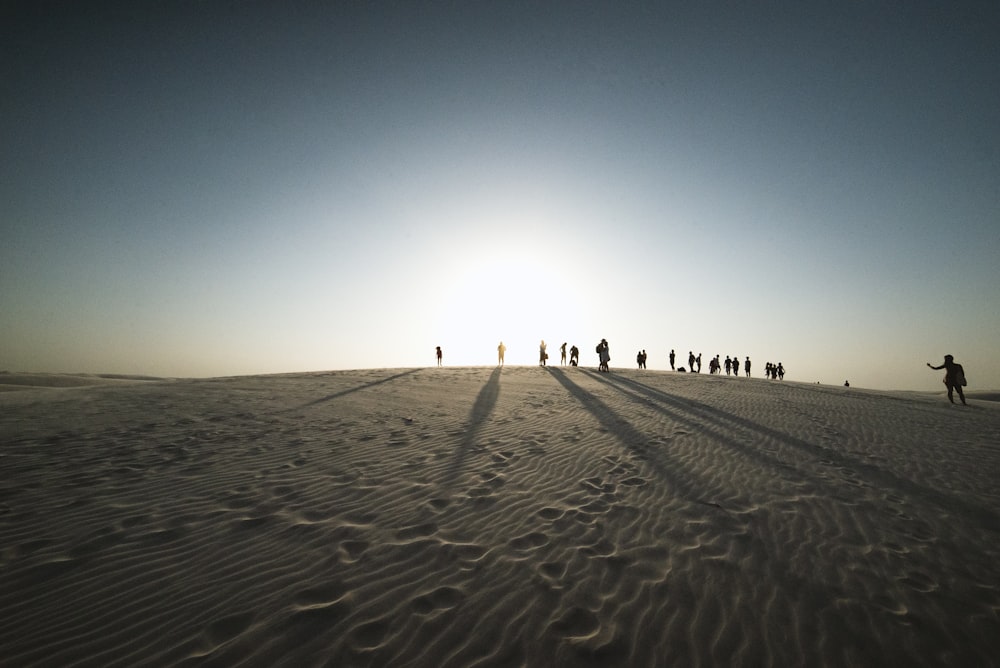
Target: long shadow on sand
(358,388)
(631,438)
(687,410)
(481,409)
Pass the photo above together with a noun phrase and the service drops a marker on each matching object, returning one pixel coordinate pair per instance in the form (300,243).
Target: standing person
(438,349)
(746,366)
(605,355)
(638,359)
(542,355)
(643,358)
(690,361)
(954,377)
(697,360)
(501,349)
(673,357)
(729,365)
(562,354)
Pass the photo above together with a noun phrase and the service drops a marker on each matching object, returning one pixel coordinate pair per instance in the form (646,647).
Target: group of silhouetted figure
(954,377)
(731,365)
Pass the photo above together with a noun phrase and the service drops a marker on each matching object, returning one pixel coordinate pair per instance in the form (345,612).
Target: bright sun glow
(511,297)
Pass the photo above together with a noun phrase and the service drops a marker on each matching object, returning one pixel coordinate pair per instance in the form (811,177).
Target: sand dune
(478,516)
(18,381)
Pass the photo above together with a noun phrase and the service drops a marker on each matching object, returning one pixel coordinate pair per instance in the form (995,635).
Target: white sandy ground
(473,516)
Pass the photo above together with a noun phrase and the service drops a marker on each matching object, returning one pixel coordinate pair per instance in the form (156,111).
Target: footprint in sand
(576,623)
(502,459)
(553,569)
(442,598)
(353,549)
(320,595)
(492,479)
(225,629)
(529,541)
(439,504)
(550,514)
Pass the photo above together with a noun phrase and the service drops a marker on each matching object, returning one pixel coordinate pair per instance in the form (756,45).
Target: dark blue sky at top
(140,136)
(166,92)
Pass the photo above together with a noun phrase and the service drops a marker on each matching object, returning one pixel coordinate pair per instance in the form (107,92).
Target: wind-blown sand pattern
(478,516)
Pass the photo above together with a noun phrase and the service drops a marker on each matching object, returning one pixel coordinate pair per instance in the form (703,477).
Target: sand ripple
(455,517)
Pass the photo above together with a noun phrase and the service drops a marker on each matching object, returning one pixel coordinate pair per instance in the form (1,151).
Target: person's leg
(961,395)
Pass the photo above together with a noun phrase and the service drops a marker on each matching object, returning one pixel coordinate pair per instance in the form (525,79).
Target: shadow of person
(486,400)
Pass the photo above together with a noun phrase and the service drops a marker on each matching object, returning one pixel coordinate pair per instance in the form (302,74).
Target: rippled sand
(478,516)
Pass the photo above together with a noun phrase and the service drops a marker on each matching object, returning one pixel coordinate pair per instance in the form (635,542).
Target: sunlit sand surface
(473,516)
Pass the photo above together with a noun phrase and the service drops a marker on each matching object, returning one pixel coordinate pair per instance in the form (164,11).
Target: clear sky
(221,188)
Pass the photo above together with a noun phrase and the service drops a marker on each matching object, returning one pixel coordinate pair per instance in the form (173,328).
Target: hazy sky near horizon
(223,188)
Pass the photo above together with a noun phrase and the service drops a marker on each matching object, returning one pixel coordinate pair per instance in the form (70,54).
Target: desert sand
(488,517)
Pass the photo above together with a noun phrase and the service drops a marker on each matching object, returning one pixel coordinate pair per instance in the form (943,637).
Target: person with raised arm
(954,377)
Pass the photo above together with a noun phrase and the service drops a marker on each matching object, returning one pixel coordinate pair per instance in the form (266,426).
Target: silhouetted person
(501,349)
(438,349)
(767,370)
(954,377)
(673,356)
(542,355)
(697,360)
(691,361)
(562,353)
(605,354)
(846,384)
(781,371)
(574,356)
(729,365)
(746,366)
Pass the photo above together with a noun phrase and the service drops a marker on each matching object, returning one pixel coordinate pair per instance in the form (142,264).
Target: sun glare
(519,300)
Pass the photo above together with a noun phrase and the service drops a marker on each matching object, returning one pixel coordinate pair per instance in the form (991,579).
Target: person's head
(948,358)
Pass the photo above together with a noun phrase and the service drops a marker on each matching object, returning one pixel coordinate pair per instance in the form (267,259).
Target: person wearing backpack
(954,377)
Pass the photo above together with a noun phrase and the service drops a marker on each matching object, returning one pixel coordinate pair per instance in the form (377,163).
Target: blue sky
(220,188)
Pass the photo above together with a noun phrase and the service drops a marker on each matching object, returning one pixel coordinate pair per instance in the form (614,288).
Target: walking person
(501,349)
(562,354)
(954,377)
(673,356)
(746,366)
